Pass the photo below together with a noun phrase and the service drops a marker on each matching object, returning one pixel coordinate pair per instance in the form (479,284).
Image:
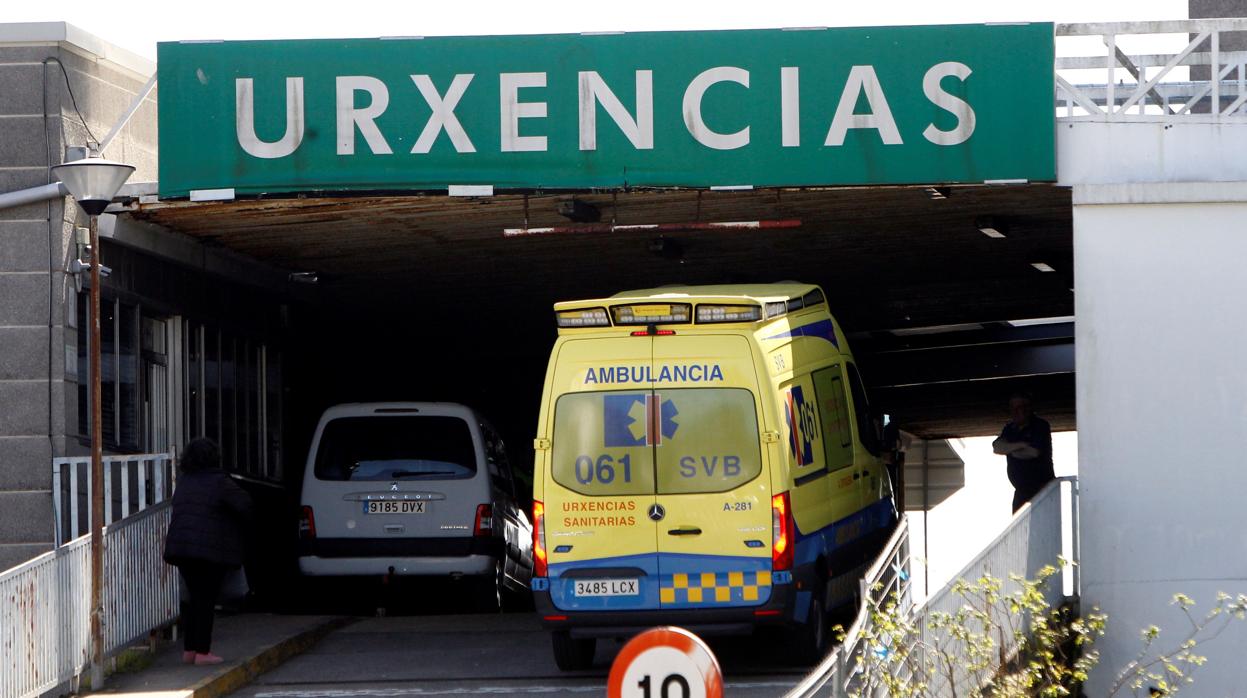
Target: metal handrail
(141,480)
(890,573)
(45,603)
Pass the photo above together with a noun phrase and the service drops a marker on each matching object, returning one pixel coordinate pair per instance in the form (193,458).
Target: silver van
(413,488)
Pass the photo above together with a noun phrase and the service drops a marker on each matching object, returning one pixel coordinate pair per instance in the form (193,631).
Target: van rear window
(675,441)
(395,448)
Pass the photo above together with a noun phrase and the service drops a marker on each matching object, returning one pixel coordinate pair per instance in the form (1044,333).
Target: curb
(238,675)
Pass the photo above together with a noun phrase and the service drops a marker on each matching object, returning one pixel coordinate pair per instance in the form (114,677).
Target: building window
(119,374)
(154,342)
(233,396)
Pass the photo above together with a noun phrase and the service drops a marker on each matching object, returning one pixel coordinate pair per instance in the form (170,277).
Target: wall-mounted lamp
(80,265)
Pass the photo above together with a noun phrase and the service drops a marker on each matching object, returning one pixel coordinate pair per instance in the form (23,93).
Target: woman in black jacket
(205,541)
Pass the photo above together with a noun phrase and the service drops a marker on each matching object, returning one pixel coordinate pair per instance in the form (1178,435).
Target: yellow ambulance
(705,457)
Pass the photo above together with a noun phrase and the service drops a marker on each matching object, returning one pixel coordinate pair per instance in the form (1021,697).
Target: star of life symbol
(638,419)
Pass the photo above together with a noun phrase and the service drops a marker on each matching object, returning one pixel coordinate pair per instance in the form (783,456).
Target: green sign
(892,105)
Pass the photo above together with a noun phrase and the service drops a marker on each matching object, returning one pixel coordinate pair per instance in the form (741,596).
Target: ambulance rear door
(600,485)
(714,494)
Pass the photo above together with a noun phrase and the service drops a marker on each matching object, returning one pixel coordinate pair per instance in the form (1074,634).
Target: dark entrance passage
(425,297)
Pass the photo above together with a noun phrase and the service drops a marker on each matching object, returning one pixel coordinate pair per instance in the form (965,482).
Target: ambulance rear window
(713,444)
(693,440)
(600,443)
(396,448)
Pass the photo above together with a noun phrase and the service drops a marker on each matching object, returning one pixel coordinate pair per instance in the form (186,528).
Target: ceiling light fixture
(990,227)
(1042,266)
(655,227)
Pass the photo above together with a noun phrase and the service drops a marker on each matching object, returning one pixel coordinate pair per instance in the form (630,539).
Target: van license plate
(394,507)
(607,587)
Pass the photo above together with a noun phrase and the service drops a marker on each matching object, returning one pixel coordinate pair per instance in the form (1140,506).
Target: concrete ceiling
(892,260)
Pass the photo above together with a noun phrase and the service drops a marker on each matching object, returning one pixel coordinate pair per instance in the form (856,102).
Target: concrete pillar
(1162,411)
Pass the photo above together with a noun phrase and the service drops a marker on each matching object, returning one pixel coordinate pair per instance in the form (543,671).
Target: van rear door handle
(685,531)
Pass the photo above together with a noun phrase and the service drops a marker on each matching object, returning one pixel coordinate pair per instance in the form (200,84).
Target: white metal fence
(45,603)
(1145,71)
(132,483)
(1040,534)
(891,574)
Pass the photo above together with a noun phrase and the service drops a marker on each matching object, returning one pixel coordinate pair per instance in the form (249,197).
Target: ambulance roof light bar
(584,317)
(716,313)
(652,314)
(809,300)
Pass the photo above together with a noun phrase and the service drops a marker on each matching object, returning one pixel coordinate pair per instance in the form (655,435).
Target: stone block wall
(38,332)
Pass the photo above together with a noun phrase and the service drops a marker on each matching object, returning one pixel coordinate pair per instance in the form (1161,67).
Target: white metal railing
(1042,533)
(891,574)
(140,590)
(1154,85)
(132,483)
(45,603)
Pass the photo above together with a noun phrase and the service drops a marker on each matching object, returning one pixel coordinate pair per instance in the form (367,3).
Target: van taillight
(307,524)
(484,520)
(783,535)
(539,540)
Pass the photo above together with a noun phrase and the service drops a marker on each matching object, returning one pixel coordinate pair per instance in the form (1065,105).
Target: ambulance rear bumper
(742,620)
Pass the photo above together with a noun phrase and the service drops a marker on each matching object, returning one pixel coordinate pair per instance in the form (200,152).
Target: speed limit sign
(665,663)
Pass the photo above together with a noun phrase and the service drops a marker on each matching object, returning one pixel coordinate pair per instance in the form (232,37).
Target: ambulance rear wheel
(811,640)
(573,654)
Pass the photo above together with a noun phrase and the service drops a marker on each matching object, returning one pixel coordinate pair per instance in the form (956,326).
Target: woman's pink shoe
(202,659)
(188,657)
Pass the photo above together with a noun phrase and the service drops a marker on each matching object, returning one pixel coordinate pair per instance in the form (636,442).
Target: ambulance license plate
(400,507)
(607,587)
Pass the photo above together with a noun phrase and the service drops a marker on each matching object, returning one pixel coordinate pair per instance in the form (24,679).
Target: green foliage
(1006,641)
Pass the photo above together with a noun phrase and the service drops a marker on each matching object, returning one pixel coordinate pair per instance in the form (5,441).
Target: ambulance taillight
(539,539)
(484,520)
(783,535)
(307,524)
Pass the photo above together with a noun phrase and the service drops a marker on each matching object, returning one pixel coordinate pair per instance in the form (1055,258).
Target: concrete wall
(1162,409)
(38,385)
(1102,152)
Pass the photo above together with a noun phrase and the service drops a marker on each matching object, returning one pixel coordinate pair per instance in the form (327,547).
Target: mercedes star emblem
(656,512)
(393,486)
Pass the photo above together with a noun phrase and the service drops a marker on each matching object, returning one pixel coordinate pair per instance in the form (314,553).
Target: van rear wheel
(573,654)
(488,591)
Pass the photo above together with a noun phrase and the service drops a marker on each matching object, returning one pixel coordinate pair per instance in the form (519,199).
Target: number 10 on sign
(665,663)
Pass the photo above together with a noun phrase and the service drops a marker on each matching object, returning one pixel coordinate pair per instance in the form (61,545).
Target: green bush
(1011,643)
